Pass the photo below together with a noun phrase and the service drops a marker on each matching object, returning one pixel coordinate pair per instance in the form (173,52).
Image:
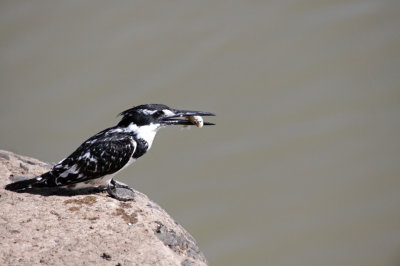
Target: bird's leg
(112,189)
(118,185)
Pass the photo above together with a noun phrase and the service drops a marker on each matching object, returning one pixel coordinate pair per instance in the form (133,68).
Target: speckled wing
(95,158)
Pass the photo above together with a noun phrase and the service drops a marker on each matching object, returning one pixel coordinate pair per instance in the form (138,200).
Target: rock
(4,155)
(59,227)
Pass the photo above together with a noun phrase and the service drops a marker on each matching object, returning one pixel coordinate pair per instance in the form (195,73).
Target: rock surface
(56,227)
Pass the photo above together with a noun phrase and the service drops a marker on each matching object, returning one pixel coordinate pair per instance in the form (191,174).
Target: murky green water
(303,167)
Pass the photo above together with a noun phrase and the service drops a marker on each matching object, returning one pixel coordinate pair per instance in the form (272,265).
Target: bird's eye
(159,113)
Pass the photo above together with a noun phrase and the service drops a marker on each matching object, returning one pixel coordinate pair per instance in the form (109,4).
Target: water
(303,166)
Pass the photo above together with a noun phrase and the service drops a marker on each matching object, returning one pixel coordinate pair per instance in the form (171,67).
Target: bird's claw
(118,191)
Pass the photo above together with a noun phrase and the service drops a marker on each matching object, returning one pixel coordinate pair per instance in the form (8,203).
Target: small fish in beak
(196,120)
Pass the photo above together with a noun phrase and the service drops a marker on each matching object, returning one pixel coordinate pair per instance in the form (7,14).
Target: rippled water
(303,166)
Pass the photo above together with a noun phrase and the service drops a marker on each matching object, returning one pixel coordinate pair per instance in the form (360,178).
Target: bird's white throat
(147,132)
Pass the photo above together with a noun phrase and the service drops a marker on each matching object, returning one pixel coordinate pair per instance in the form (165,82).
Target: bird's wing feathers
(95,158)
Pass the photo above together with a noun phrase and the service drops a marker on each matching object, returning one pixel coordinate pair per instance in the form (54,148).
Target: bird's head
(159,115)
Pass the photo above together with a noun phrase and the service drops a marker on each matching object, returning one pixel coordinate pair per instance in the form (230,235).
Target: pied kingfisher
(96,161)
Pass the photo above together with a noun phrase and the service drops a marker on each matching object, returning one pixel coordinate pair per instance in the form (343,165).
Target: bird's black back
(103,154)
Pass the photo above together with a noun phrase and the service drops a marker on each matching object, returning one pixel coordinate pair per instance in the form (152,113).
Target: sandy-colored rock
(53,227)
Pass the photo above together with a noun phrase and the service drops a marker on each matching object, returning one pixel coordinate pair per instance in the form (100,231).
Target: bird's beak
(175,118)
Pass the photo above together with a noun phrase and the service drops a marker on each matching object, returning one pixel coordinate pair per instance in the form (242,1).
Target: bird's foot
(120,192)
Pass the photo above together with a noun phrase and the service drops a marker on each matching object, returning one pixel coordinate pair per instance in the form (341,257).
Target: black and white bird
(101,157)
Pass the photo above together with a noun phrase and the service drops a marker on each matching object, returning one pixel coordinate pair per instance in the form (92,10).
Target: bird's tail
(23,184)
